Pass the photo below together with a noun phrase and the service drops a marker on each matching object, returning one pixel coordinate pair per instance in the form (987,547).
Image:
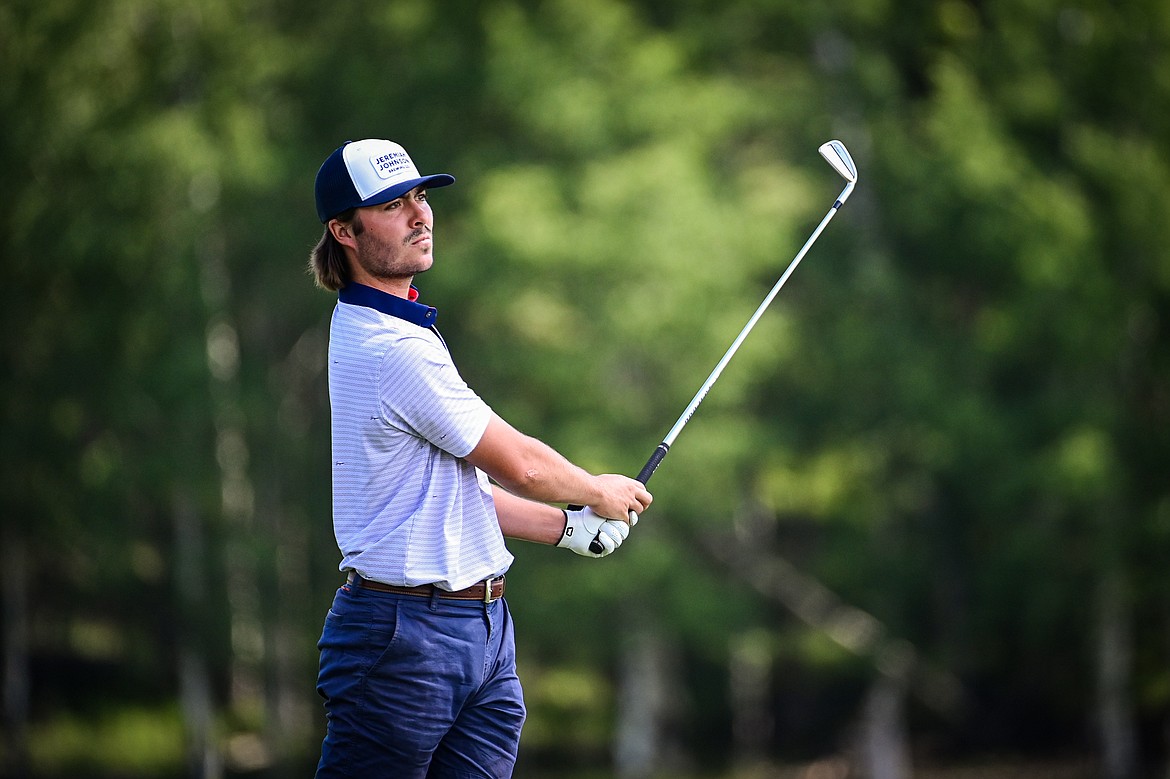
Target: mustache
(417,233)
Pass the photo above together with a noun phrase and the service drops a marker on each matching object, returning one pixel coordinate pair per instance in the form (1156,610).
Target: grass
(124,743)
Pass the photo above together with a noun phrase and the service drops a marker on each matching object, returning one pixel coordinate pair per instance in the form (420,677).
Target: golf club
(836,155)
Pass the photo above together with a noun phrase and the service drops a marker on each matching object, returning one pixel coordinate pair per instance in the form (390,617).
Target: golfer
(418,662)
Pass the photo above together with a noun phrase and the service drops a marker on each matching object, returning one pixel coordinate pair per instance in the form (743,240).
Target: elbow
(523,481)
(520,464)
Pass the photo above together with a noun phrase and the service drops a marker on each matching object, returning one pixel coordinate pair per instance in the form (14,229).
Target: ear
(342,232)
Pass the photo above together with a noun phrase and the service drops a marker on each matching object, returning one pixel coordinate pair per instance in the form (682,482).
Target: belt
(486,591)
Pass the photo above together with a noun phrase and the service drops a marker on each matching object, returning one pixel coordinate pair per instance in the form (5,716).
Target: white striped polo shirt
(407,509)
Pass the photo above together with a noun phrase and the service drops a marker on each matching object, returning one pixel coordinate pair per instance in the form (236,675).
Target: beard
(385,260)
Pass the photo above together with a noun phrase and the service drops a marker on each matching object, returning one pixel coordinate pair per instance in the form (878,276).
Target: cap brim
(402,187)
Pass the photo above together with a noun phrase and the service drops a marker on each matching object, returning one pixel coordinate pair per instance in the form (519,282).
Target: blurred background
(921,526)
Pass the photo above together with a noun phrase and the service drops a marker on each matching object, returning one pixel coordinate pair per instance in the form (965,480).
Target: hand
(619,495)
(589,535)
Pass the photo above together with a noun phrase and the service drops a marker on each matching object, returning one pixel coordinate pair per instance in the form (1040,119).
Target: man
(418,666)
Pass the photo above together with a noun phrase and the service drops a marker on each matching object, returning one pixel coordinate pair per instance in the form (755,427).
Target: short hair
(327,261)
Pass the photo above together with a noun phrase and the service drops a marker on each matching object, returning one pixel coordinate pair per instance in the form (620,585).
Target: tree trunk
(883,750)
(291,723)
(14,742)
(195,694)
(643,746)
(1115,721)
(752,723)
(238,502)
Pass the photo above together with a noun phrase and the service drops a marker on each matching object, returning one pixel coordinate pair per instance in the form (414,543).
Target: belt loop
(434,599)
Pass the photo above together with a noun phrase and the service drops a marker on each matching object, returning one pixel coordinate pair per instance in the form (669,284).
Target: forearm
(529,468)
(551,478)
(527,520)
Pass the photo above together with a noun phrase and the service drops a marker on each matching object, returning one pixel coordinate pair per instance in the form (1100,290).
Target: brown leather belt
(486,592)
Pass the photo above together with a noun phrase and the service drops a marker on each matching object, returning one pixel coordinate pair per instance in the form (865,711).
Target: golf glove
(582,527)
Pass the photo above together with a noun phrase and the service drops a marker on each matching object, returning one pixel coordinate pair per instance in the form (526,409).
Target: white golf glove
(583,526)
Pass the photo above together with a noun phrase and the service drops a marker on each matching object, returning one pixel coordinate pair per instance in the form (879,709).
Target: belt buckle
(487,590)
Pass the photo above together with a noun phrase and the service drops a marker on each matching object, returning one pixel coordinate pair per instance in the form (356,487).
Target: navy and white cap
(366,173)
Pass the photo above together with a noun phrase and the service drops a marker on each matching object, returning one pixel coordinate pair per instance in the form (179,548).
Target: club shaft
(660,452)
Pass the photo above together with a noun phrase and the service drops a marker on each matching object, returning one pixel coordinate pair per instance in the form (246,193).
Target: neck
(399,286)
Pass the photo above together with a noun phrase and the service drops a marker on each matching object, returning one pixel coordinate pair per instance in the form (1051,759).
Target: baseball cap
(365,173)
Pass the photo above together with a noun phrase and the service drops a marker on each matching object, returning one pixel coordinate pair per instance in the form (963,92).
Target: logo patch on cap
(387,165)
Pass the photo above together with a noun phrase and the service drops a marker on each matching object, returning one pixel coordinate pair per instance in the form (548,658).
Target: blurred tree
(133,125)
(954,417)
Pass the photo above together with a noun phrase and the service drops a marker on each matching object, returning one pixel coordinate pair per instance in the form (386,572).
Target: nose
(420,213)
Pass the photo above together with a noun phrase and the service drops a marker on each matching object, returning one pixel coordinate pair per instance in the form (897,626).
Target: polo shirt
(407,509)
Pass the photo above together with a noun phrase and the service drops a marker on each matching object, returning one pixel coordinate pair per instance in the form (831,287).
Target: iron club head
(837,155)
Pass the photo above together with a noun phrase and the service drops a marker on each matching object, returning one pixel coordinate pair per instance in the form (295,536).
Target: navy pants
(418,688)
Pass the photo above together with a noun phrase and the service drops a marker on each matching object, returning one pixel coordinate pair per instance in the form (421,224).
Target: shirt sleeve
(422,393)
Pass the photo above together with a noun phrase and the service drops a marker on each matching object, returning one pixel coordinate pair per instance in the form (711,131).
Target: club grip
(652,464)
(643,476)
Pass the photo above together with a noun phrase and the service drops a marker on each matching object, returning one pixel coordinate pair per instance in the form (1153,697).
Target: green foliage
(131,742)
(953,417)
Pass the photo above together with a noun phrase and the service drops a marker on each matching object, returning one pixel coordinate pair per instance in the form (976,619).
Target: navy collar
(416,313)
